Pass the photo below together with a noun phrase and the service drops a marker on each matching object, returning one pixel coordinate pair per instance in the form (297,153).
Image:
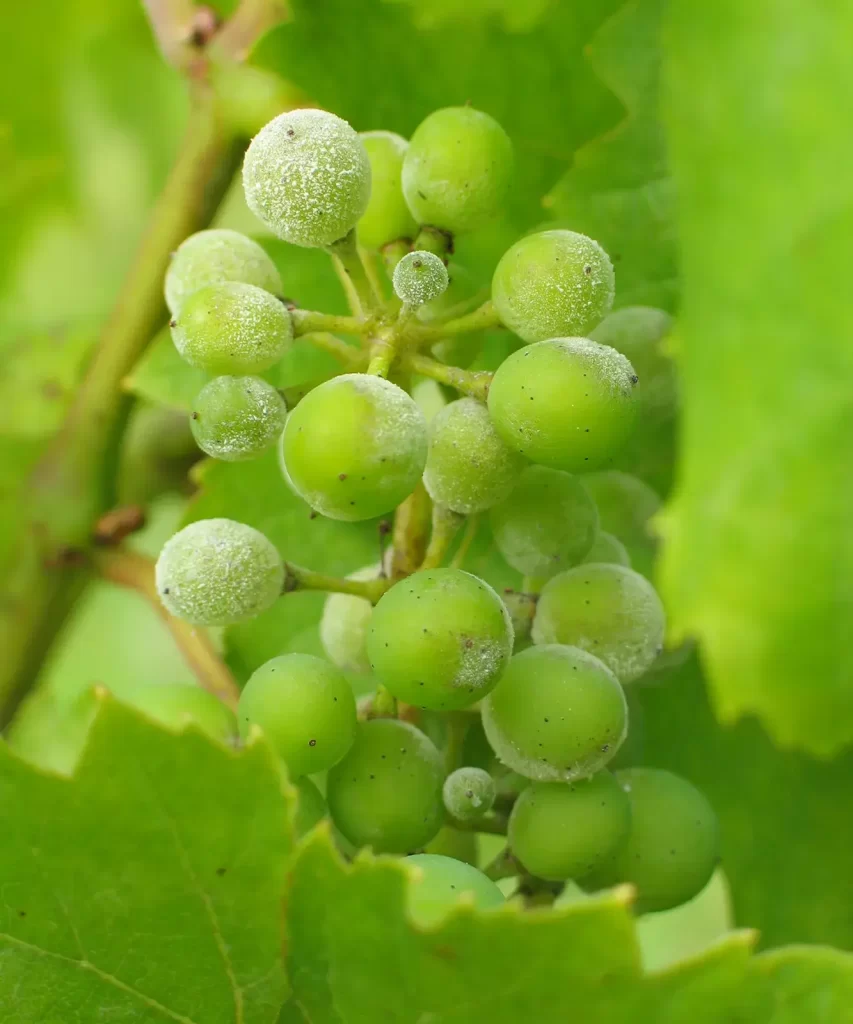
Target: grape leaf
(619,190)
(760,552)
(356,959)
(786,841)
(148,886)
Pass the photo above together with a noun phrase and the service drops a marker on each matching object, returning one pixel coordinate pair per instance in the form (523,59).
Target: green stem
(306,321)
(384,703)
(471,528)
(351,270)
(434,240)
(445,526)
(469,382)
(411,529)
(522,609)
(386,342)
(480,319)
(457,729)
(297,578)
(393,252)
(352,358)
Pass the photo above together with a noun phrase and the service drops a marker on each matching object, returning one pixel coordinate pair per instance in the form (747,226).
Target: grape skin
(468,467)
(440,639)
(607,548)
(306,709)
(387,217)
(214,257)
(553,284)
(547,523)
(232,328)
(237,418)
(344,624)
(468,793)
(438,884)
(216,572)
(306,175)
(608,610)
(355,447)
(566,403)
(386,793)
(557,714)
(561,831)
(457,169)
(419,277)
(672,847)
(178,705)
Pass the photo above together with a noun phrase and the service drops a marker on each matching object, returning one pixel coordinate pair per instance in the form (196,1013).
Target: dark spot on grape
(587,270)
(195,415)
(291,132)
(312,743)
(221,871)
(173,323)
(372,776)
(421,194)
(22,913)
(403,750)
(634,378)
(342,476)
(605,748)
(417,263)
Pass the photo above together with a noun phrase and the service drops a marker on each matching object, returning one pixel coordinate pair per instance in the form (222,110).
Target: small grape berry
(419,277)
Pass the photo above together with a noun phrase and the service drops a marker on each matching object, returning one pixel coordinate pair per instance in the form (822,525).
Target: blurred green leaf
(760,551)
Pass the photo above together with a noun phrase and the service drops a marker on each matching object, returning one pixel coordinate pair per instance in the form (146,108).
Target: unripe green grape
(468,793)
(554,284)
(386,793)
(232,328)
(558,714)
(355,447)
(566,403)
(609,549)
(214,257)
(310,807)
(608,610)
(561,831)
(387,217)
(419,277)
(468,467)
(457,169)
(179,705)
(344,623)
(306,709)
(439,884)
(216,572)
(626,506)
(547,523)
(237,418)
(440,639)
(307,177)
(673,844)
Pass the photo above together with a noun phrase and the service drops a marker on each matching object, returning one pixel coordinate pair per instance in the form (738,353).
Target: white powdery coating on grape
(420,277)
(564,288)
(307,177)
(609,549)
(609,366)
(216,572)
(254,427)
(625,628)
(468,793)
(344,624)
(246,330)
(214,257)
(482,658)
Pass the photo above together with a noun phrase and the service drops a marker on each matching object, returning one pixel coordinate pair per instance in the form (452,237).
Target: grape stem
(469,382)
(352,358)
(434,240)
(468,536)
(134,571)
(480,319)
(522,609)
(492,824)
(351,271)
(384,703)
(306,321)
(457,729)
(445,526)
(504,865)
(411,527)
(297,578)
(393,252)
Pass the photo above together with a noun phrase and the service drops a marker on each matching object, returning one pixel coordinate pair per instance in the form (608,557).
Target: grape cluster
(515,712)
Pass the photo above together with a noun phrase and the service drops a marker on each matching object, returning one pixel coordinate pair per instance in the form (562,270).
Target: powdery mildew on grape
(256,421)
(214,257)
(482,657)
(608,610)
(553,284)
(420,277)
(307,177)
(344,623)
(469,468)
(216,572)
(232,328)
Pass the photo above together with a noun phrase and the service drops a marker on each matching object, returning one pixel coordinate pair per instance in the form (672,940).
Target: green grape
(181,704)
(608,610)
(419,277)
(561,831)
(468,466)
(306,709)
(468,793)
(626,506)
(232,328)
(566,403)
(607,548)
(672,847)
(451,842)
(216,572)
(553,284)
(457,169)
(214,257)
(387,218)
(547,523)
(441,883)
(310,807)
(558,714)
(237,418)
(355,447)
(440,639)
(307,177)
(386,793)
(343,626)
